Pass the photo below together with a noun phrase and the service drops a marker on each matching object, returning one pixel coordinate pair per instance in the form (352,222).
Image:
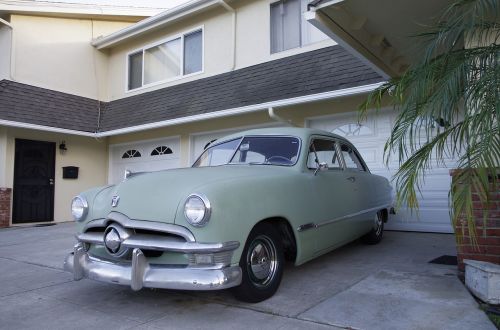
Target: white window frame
(160,42)
(302,43)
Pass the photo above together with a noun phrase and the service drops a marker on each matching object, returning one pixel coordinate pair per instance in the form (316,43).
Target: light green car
(251,201)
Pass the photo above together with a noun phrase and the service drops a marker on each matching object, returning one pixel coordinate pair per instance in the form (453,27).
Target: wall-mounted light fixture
(62,147)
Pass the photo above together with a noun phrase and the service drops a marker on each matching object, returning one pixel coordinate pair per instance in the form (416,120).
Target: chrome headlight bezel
(84,206)
(207,209)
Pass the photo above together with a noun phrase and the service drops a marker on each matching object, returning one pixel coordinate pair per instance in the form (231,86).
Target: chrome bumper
(139,273)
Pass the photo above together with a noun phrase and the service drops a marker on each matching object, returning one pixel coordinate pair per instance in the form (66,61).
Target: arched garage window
(352,130)
(132,153)
(161,150)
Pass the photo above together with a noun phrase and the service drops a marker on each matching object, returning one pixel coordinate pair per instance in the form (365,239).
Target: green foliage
(448,106)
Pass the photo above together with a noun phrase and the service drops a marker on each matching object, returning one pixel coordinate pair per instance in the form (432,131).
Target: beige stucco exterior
(5,45)
(89,154)
(56,53)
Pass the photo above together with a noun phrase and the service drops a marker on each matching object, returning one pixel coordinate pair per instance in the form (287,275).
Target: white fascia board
(153,22)
(247,109)
(318,20)
(17,124)
(327,4)
(23,6)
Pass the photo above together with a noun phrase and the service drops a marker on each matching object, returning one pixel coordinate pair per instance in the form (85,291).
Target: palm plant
(448,106)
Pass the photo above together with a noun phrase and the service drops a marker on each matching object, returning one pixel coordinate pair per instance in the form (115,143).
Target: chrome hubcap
(262,260)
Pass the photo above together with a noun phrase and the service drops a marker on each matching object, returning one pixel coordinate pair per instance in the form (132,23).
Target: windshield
(253,150)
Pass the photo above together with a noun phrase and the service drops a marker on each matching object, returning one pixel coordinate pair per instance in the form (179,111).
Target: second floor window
(289,29)
(176,57)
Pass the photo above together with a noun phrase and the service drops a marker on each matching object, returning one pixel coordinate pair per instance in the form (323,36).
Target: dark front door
(34,167)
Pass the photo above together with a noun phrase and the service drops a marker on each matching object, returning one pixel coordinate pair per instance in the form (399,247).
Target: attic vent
(161,150)
(132,153)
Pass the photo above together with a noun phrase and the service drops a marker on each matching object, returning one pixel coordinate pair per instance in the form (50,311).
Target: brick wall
(5,196)
(487,247)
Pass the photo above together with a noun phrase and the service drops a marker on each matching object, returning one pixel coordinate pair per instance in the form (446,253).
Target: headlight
(79,208)
(197,210)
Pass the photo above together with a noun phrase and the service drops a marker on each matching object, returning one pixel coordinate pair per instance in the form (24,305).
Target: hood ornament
(115,200)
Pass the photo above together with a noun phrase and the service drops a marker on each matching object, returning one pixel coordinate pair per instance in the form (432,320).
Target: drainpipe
(274,116)
(231,10)
(11,64)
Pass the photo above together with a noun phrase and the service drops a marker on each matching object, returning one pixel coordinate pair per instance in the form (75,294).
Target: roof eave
(75,10)
(153,22)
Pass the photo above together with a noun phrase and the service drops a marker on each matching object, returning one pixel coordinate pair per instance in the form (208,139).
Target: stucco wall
(5,50)
(56,53)
(89,154)
(252,44)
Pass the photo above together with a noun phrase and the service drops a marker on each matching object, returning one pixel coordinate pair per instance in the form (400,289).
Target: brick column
(5,196)
(487,247)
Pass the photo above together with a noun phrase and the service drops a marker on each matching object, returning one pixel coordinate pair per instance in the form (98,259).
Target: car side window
(351,159)
(323,151)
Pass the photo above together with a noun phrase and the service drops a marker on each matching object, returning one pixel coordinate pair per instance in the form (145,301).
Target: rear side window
(323,151)
(352,160)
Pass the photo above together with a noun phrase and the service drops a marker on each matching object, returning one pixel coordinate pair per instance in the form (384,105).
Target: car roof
(300,132)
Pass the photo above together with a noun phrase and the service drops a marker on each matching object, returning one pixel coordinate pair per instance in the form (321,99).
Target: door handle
(351,178)
(51,182)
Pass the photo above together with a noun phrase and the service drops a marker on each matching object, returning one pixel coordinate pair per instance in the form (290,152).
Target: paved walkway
(387,286)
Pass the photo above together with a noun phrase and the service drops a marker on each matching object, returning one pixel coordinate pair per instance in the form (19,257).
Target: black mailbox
(70,172)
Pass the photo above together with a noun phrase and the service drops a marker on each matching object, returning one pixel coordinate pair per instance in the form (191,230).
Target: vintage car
(250,201)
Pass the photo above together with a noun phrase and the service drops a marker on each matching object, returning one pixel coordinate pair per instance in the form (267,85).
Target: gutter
(153,22)
(17,124)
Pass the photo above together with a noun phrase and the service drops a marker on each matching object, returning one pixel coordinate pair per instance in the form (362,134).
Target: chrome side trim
(141,224)
(312,225)
(307,226)
(139,273)
(351,215)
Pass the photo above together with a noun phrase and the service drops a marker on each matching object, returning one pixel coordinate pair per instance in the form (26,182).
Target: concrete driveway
(387,286)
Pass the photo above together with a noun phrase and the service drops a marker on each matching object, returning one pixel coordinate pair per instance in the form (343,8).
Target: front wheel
(375,235)
(261,263)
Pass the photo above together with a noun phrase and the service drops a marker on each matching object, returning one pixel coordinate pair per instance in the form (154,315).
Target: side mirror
(323,166)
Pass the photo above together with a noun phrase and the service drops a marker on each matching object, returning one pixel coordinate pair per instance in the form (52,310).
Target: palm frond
(448,107)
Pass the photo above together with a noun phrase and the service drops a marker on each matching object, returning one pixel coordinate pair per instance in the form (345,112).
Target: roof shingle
(318,71)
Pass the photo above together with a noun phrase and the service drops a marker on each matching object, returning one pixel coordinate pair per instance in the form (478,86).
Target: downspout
(11,64)
(231,10)
(274,116)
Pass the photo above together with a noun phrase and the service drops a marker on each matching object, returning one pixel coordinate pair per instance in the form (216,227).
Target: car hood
(155,196)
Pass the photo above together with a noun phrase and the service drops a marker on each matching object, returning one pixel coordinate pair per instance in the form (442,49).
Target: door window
(323,151)
(352,160)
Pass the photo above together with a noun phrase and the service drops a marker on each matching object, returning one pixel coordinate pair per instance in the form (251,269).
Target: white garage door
(369,139)
(150,155)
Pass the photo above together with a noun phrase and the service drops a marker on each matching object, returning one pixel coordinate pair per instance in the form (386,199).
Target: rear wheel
(375,235)
(261,263)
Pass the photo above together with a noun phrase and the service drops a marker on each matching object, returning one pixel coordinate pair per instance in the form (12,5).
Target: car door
(362,191)
(332,194)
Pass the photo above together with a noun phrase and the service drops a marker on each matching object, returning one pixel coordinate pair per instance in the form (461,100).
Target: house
(86,95)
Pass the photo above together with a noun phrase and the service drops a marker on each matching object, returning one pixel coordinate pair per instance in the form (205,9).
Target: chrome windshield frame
(299,149)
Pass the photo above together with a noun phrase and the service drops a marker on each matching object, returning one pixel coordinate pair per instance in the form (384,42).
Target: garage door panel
(370,140)
(140,156)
